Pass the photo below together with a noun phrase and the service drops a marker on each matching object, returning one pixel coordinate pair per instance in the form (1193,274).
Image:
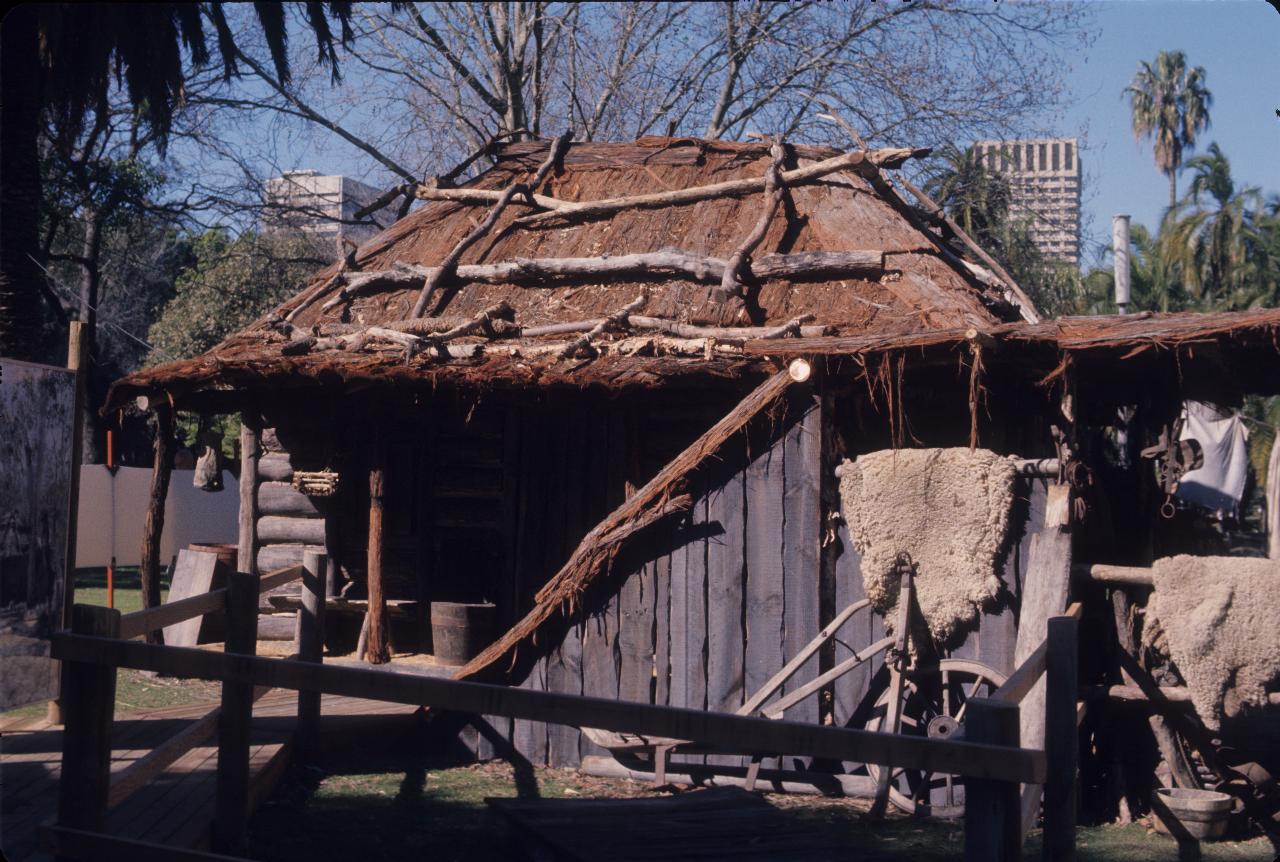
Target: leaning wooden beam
(450,263)
(615,321)
(593,553)
(1024,303)
(732,334)
(727,732)
(554,271)
(153,525)
(738,265)
(857,160)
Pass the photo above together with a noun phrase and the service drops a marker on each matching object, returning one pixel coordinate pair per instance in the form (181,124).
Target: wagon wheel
(933,705)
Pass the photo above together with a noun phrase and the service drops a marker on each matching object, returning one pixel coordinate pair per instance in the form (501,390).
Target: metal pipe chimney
(1120,258)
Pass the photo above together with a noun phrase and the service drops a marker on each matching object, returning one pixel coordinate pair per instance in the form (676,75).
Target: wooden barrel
(460,630)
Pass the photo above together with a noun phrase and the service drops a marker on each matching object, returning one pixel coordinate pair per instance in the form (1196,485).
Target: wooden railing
(989,755)
(1057,660)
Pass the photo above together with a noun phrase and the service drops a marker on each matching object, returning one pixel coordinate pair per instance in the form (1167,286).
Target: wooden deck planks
(175,809)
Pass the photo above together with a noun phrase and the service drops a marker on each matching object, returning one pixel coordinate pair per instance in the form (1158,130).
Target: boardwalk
(177,807)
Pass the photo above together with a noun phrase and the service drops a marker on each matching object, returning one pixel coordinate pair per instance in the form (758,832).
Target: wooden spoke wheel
(933,705)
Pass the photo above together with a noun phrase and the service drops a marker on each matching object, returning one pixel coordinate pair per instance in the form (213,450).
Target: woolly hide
(947,508)
(1216,618)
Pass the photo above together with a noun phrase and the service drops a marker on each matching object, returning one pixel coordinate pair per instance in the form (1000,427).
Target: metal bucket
(460,630)
(1200,814)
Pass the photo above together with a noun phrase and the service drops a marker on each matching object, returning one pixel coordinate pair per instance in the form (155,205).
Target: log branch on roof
(481,324)
(450,263)
(598,548)
(348,264)
(617,320)
(687,330)
(485,196)
(858,160)
(554,271)
(739,263)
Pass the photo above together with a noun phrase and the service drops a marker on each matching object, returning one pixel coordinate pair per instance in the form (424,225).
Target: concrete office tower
(1044,180)
(323,207)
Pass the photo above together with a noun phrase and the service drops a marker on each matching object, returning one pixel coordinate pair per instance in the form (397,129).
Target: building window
(1067,153)
(1054,149)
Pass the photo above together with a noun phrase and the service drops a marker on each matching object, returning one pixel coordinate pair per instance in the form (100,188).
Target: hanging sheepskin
(947,508)
(1216,617)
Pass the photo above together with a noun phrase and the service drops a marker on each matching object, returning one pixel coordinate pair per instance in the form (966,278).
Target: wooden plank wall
(706,622)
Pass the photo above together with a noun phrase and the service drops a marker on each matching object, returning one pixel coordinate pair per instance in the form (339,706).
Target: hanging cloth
(1218,485)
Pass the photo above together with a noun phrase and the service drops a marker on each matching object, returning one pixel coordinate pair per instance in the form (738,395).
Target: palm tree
(1170,104)
(64,58)
(1212,235)
(976,198)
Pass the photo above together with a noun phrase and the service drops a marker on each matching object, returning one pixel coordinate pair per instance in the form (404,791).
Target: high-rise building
(1044,185)
(323,207)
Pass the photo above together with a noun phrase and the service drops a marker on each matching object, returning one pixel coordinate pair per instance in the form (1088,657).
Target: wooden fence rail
(990,756)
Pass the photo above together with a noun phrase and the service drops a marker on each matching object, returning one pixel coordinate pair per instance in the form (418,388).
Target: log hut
(605,388)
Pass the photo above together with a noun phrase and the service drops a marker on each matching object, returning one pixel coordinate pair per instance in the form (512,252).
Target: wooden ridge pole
(153,526)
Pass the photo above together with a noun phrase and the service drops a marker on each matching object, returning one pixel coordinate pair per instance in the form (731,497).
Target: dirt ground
(435,810)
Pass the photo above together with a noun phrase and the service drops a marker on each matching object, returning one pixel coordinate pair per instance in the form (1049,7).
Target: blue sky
(1238,44)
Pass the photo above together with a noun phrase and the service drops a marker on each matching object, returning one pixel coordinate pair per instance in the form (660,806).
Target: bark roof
(922,295)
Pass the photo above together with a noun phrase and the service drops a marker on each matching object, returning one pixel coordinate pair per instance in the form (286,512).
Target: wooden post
(75,363)
(311,648)
(1048,580)
(377,648)
(992,815)
(88,700)
(231,799)
(153,526)
(250,450)
(1061,740)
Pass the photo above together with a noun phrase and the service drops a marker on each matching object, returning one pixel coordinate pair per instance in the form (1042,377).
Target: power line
(71,297)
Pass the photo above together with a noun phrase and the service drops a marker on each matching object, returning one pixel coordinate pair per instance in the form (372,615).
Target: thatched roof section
(515,318)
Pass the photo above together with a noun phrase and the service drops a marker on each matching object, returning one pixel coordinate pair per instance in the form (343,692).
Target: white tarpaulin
(1219,484)
(112,509)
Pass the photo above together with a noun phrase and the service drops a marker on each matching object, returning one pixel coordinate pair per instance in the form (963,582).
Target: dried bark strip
(450,263)
(596,551)
(857,160)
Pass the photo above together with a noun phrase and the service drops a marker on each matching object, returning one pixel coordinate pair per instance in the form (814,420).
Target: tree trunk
(377,649)
(1173,189)
(20,99)
(90,281)
(153,526)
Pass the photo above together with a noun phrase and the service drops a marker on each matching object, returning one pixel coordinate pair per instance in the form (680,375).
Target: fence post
(992,809)
(88,707)
(311,648)
(1061,740)
(231,799)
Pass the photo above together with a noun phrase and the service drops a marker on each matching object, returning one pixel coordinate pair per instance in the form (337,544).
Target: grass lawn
(376,806)
(134,689)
